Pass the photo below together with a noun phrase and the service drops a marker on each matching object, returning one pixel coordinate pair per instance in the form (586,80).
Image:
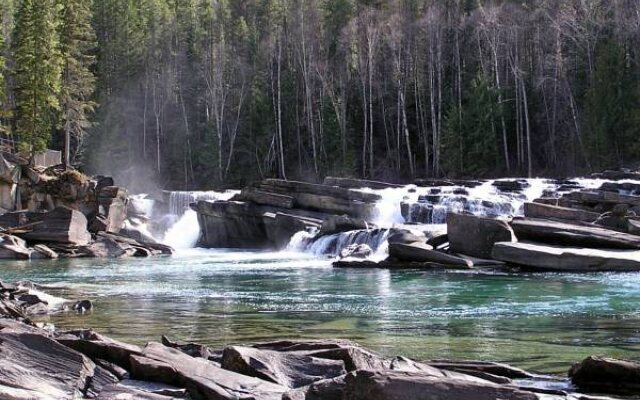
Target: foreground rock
(554,258)
(202,378)
(607,375)
(386,385)
(37,367)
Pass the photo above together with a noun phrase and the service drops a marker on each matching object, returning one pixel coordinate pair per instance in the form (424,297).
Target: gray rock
(61,225)
(543,211)
(423,253)
(475,236)
(607,375)
(96,346)
(555,258)
(203,379)
(292,370)
(40,368)
(356,251)
(391,385)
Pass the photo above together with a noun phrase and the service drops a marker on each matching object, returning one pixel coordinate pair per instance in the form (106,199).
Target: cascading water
(426,208)
(185,231)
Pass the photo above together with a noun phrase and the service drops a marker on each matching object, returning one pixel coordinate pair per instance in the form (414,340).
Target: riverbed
(543,322)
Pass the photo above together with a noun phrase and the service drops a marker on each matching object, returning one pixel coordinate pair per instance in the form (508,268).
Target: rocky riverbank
(43,363)
(62,213)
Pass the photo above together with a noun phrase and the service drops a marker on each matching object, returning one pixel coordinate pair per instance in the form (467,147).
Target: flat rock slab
(41,368)
(419,252)
(96,346)
(387,385)
(293,370)
(560,233)
(137,390)
(537,210)
(555,258)
(203,379)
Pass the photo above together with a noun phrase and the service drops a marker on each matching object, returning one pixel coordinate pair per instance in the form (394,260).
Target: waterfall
(179,202)
(185,231)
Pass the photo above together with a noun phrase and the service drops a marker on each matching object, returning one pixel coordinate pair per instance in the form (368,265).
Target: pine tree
(37,73)
(77,42)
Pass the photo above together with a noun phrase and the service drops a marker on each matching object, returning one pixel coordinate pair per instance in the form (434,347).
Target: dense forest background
(197,93)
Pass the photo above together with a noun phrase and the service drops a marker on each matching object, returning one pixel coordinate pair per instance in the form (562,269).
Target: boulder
(391,385)
(231,224)
(37,367)
(191,349)
(13,248)
(107,247)
(96,346)
(475,236)
(356,251)
(62,225)
(561,233)
(543,211)
(404,236)
(555,258)
(42,252)
(293,370)
(607,375)
(203,379)
(112,204)
(423,253)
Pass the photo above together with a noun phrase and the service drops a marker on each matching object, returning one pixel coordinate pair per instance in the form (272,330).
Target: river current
(539,321)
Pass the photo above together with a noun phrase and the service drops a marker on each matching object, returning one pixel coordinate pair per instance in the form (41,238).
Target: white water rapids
(421,209)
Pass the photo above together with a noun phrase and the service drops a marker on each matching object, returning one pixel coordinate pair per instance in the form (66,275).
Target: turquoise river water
(543,322)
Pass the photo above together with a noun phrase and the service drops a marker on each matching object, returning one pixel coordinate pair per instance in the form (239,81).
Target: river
(539,321)
(542,322)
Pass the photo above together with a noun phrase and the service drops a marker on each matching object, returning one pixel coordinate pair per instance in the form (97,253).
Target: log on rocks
(387,385)
(560,233)
(96,346)
(203,379)
(475,236)
(607,375)
(417,252)
(293,370)
(37,367)
(62,225)
(542,211)
(554,258)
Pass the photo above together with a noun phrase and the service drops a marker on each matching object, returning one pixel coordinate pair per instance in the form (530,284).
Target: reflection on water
(539,321)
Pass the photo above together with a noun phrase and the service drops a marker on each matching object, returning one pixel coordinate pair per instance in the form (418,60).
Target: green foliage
(613,114)
(470,142)
(77,43)
(37,74)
